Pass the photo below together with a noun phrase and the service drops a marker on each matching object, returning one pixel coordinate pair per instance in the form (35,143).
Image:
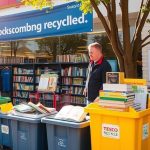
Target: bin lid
(65,123)
(4,100)
(4,116)
(25,119)
(94,108)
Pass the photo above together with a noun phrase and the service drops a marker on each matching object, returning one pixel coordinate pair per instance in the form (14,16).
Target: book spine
(115,94)
(114,99)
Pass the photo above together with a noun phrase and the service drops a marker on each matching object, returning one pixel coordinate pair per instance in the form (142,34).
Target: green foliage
(106,1)
(39,4)
(85,4)
(145,9)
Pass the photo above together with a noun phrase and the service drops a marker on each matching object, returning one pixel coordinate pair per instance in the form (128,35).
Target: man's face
(95,54)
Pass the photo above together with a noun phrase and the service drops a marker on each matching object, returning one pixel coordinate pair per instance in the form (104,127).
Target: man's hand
(85,92)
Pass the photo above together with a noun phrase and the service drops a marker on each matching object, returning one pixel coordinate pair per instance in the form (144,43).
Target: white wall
(134,6)
(146,54)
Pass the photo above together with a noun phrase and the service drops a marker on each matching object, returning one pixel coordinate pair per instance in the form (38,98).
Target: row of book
(74,71)
(76,90)
(22,71)
(72,58)
(18,100)
(20,94)
(11,60)
(20,86)
(73,81)
(73,99)
(78,100)
(44,70)
(18,60)
(46,96)
(23,79)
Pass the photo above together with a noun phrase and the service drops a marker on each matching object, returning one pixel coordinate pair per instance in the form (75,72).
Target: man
(98,67)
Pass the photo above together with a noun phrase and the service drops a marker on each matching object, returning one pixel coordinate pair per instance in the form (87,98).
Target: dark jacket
(97,76)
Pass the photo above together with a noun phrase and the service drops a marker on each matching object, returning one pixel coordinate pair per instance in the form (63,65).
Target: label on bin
(5,129)
(111,131)
(145,134)
(61,142)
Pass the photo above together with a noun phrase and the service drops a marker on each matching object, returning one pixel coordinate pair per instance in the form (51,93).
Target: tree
(107,49)
(61,45)
(49,45)
(126,51)
(14,45)
(70,43)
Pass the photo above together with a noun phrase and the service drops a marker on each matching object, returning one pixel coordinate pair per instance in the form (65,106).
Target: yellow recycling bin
(113,130)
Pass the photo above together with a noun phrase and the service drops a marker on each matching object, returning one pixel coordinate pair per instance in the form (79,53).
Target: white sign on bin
(111,131)
(5,129)
(145,129)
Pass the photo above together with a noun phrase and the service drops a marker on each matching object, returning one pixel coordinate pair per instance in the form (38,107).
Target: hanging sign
(61,20)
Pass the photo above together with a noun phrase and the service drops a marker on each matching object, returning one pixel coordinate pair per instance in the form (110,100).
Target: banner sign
(61,20)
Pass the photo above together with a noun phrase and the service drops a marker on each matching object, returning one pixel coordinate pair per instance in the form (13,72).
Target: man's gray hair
(96,45)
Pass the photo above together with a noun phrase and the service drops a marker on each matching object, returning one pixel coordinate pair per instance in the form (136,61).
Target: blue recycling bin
(28,133)
(5,131)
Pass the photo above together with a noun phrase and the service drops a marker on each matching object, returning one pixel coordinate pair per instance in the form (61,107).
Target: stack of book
(137,106)
(117,97)
(32,110)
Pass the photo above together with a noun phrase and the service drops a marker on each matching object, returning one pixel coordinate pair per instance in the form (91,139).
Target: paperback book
(71,113)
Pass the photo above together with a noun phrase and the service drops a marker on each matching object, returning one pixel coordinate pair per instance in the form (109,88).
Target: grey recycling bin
(64,135)
(28,133)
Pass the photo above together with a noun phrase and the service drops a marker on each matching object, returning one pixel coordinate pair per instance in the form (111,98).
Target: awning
(61,20)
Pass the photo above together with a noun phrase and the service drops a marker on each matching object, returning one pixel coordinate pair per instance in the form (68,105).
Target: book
(136,106)
(117,87)
(24,108)
(117,99)
(140,95)
(48,82)
(41,108)
(115,105)
(114,77)
(116,94)
(52,83)
(31,108)
(116,102)
(43,84)
(77,81)
(71,113)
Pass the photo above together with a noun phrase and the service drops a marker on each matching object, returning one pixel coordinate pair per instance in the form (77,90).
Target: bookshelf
(71,82)
(22,82)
